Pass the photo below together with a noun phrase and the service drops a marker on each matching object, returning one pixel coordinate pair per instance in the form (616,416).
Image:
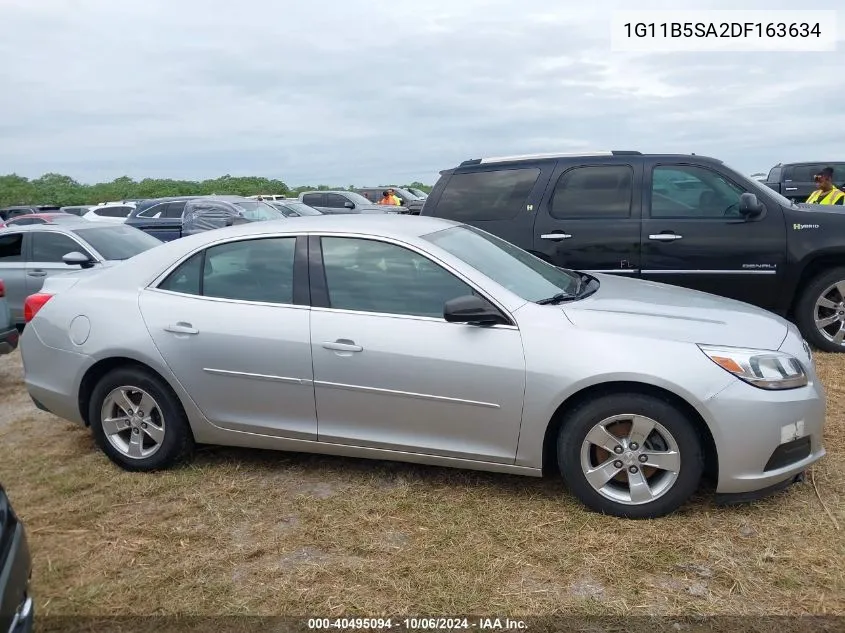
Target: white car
(115,213)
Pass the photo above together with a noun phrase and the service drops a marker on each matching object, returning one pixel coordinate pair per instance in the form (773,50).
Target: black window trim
(320,293)
(649,184)
(568,167)
(300,297)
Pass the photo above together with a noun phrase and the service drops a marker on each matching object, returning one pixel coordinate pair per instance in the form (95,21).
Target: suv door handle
(665,237)
(37,273)
(555,236)
(182,328)
(792,189)
(343,345)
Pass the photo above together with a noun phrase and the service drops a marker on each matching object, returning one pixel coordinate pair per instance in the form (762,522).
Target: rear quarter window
(499,194)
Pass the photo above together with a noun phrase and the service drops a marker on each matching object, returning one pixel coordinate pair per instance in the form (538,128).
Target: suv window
(500,194)
(247,270)
(174,209)
(335,201)
(154,211)
(372,276)
(601,191)
(48,246)
(313,199)
(805,173)
(686,191)
(113,212)
(11,247)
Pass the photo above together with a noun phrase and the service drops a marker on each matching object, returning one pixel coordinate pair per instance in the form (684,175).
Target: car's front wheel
(820,311)
(630,455)
(138,421)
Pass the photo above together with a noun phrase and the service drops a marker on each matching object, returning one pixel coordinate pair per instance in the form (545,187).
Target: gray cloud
(369,91)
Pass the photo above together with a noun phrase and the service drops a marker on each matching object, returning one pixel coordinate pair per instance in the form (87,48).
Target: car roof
(550,156)
(64,227)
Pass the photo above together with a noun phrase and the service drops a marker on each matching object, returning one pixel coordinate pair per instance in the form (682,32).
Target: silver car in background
(31,253)
(422,340)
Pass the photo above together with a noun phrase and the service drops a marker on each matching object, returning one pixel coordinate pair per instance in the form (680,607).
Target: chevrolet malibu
(423,340)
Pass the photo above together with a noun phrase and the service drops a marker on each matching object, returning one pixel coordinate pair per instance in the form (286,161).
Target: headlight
(761,368)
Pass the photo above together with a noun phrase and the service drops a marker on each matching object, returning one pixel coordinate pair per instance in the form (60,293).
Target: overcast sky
(367,92)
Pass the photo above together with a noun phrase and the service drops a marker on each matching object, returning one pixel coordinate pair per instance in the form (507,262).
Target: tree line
(61,190)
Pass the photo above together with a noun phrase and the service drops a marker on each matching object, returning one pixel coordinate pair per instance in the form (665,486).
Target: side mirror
(348,205)
(76,258)
(749,205)
(471,309)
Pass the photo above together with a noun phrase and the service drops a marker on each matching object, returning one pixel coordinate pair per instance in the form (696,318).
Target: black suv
(681,219)
(796,181)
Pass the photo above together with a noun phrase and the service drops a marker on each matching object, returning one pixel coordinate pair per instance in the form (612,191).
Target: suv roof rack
(540,156)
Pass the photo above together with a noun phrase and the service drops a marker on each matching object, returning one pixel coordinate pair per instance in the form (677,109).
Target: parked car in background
(342,202)
(267,197)
(411,203)
(29,254)
(8,331)
(508,363)
(42,218)
(16,605)
(293,208)
(114,213)
(681,219)
(7,213)
(158,216)
(419,193)
(212,212)
(796,181)
(80,210)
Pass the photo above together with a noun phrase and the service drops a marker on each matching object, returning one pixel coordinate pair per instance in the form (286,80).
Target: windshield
(357,198)
(296,208)
(255,210)
(513,268)
(118,241)
(422,195)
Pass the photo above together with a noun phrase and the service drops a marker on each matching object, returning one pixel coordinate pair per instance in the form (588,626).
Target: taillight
(33,304)
(2,289)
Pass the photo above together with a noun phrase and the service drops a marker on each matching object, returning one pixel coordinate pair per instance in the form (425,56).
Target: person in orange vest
(825,192)
(389,197)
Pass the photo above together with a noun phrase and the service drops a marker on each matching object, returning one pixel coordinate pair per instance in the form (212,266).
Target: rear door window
(499,194)
(11,248)
(313,199)
(174,209)
(600,191)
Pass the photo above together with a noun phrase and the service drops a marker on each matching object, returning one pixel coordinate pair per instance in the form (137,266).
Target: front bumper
(9,340)
(16,608)
(765,439)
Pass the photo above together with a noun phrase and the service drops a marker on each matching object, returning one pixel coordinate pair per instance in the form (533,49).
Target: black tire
(806,305)
(178,442)
(578,422)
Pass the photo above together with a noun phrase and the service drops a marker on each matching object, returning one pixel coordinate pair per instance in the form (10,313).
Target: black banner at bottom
(456,624)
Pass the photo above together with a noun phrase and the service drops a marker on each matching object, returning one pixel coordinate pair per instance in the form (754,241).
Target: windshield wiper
(558,298)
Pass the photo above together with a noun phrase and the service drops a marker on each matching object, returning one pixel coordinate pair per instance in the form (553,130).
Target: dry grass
(271,533)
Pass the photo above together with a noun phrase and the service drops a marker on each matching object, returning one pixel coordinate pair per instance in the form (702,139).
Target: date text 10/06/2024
(417,624)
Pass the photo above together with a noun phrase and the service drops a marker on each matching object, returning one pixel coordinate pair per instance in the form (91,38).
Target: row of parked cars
(432,339)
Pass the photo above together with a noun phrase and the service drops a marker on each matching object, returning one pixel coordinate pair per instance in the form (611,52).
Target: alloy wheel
(829,313)
(132,422)
(630,459)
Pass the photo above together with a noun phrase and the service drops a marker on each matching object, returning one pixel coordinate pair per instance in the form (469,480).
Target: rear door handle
(343,345)
(37,273)
(792,188)
(555,236)
(665,237)
(182,328)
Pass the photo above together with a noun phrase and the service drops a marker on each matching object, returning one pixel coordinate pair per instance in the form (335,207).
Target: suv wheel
(820,311)
(630,455)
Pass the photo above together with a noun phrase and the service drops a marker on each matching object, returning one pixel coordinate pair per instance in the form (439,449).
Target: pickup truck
(680,219)
(796,180)
(200,213)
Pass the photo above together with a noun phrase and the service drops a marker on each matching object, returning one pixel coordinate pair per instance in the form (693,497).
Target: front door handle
(182,328)
(343,345)
(665,237)
(37,273)
(555,236)
(792,188)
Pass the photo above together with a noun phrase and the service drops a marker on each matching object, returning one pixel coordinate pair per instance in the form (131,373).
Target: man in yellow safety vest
(825,192)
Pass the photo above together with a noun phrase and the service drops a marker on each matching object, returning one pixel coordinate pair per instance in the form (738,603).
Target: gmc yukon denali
(680,219)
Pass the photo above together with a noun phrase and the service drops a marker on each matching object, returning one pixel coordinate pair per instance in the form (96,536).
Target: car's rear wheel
(138,421)
(630,455)
(820,311)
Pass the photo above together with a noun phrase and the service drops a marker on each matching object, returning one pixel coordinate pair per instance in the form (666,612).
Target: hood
(377,208)
(662,311)
(805,208)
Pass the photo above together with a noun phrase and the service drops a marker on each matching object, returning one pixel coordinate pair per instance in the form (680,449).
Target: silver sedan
(422,340)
